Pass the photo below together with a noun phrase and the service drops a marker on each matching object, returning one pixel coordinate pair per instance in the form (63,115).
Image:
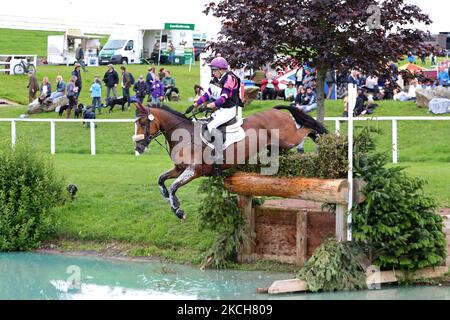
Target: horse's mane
(304,119)
(172,111)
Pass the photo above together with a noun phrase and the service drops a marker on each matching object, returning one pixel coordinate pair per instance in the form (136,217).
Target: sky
(181,11)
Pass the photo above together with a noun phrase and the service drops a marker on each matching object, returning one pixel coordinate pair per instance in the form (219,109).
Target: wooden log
(296,285)
(287,286)
(319,190)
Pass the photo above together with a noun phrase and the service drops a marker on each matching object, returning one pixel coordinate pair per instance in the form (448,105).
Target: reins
(160,131)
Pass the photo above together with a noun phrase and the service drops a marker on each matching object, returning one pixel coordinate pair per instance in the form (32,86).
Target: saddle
(231,131)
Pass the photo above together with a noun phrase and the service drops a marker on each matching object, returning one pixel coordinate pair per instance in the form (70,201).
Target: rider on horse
(224,90)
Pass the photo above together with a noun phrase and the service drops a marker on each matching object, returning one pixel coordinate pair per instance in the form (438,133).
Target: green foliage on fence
(29,189)
(397,224)
(219,212)
(334,266)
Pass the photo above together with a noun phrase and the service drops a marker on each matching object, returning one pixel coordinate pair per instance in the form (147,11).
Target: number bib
(215,91)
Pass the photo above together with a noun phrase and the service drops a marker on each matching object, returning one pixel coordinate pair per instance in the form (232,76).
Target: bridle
(148,137)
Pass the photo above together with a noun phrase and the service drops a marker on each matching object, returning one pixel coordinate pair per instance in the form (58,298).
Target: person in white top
(413,86)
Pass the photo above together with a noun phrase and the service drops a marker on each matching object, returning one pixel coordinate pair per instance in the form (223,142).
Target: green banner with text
(179,26)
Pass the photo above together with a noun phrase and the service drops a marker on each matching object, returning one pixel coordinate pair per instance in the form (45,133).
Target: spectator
(443,77)
(299,76)
(46,89)
(330,79)
(126,84)
(269,87)
(60,88)
(72,95)
(300,98)
(372,84)
(413,86)
(411,58)
(140,88)
(79,83)
(32,86)
(111,80)
(162,73)
(400,95)
(149,80)
(96,94)
(309,100)
(169,86)
(171,50)
(433,59)
(309,79)
(79,56)
(157,92)
(290,92)
(198,91)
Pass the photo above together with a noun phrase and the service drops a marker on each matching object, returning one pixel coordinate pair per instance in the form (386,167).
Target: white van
(123,47)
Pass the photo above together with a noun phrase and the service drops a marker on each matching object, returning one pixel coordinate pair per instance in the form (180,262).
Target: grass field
(14,41)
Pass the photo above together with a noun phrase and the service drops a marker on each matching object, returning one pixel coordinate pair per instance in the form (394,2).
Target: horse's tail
(304,119)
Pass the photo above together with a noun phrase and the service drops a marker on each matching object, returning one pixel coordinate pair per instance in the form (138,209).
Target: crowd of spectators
(156,87)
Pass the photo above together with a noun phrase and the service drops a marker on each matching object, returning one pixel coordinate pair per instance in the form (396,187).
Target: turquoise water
(48,276)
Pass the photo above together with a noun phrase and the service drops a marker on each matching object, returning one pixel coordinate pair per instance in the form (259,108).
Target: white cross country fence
(52,122)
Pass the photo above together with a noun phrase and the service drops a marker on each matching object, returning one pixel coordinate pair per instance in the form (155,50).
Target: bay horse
(283,129)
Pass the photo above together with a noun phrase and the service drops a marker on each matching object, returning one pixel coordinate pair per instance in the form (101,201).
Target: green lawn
(15,41)
(119,200)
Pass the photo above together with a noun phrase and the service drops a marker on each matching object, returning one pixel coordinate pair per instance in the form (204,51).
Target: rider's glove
(189,110)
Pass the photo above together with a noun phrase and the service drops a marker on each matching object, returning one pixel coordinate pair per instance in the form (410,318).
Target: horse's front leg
(171,174)
(188,175)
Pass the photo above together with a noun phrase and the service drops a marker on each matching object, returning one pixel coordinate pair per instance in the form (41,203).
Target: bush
(397,224)
(29,188)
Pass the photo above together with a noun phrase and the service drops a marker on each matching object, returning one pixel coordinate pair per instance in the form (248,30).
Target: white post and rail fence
(393,120)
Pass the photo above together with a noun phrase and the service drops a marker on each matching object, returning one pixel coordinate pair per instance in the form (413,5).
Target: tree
(328,34)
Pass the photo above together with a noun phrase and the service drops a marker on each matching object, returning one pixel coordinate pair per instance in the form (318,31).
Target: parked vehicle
(130,46)
(61,48)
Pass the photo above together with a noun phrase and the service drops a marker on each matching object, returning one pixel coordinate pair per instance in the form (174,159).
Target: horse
(281,129)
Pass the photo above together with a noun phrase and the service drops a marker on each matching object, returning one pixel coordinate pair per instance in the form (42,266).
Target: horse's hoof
(180,214)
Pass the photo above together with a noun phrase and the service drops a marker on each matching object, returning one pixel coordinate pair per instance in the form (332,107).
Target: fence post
(394,142)
(52,137)
(13,133)
(92,125)
(337,125)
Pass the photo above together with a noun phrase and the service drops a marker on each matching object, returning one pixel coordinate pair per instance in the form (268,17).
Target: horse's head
(147,128)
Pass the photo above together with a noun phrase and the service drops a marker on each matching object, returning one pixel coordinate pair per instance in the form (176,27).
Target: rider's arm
(230,84)
(205,97)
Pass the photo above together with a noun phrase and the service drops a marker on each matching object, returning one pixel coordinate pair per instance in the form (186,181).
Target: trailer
(61,48)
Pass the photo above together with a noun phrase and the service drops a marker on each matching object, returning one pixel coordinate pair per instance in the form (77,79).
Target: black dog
(79,111)
(72,189)
(62,109)
(112,102)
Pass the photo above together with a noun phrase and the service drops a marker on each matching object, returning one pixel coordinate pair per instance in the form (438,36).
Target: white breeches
(221,116)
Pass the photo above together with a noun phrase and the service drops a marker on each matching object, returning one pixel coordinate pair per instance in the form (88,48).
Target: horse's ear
(140,108)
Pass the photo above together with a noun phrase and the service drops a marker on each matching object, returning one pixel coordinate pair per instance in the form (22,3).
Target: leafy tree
(328,34)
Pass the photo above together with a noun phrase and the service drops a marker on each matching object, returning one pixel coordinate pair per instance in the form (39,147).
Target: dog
(62,109)
(112,102)
(72,189)
(79,111)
